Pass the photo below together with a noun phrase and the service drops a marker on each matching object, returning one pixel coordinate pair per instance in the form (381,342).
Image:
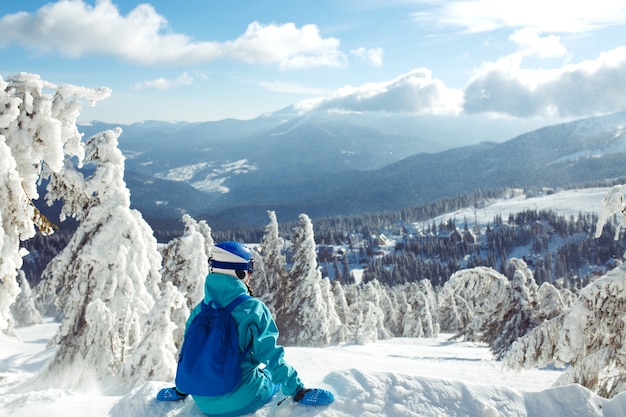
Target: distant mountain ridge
(326,166)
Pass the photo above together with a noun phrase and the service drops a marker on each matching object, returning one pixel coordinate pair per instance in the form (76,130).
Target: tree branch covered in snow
(487,307)
(590,339)
(38,134)
(107,278)
(613,204)
(309,318)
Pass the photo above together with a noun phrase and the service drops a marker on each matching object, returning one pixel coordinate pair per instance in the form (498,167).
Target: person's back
(210,358)
(231,269)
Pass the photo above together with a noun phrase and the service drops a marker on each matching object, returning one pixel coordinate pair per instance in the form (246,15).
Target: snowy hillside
(398,377)
(565,203)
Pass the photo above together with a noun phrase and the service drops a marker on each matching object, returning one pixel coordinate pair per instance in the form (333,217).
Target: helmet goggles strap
(237,266)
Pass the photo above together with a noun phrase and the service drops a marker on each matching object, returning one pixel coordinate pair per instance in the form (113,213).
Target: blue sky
(200,60)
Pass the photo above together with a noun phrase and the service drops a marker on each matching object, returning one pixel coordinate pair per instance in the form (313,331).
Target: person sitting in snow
(263,368)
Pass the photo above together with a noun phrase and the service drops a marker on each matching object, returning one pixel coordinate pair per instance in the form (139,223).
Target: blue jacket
(258,332)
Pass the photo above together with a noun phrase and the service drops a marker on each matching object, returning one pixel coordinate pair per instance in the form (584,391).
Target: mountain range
(231,172)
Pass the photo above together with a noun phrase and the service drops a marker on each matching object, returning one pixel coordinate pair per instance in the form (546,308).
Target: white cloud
(507,87)
(370,56)
(590,87)
(547,16)
(531,44)
(286,44)
(163,83)
(75,28)
(415,92)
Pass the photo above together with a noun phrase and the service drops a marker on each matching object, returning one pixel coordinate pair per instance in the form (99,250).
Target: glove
(315,396)
(170,394)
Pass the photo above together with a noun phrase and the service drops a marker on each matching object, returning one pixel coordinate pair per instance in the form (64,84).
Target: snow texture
(400,377)
(38,134)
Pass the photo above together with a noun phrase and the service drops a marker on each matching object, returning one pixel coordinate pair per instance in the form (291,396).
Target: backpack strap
(230,307)
(240,299)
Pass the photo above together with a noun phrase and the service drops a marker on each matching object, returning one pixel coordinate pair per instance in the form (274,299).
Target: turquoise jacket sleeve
(261,336)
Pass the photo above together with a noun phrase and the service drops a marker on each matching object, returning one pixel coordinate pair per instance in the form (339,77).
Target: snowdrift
(398,377)
(388,394)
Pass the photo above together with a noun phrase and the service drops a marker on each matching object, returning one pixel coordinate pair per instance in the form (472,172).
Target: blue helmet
(231,258)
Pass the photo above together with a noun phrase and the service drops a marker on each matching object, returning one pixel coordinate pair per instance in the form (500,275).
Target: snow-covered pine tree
(156,357)
(275,285)
(591,339)
(37,132)
(418,320)
(342,308)
(591,335)
(365,319)
(506,311)
(552,302)
(411,325)
(205,230)
(16,211)
(107,277)
(185,265)
(516,316)
(376,293)
(613,204)
(426,287)
(389,303)
(334,323)
(307,321)
(396,311)
(537,347)
(186,262)
(24,310)
(467,299)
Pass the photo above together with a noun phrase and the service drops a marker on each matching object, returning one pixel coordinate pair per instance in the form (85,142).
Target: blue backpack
(209,363)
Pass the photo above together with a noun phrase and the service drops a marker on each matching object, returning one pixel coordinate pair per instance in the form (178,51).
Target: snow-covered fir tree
(613,204)
(415,310)
(37,133)
(387,300)
(156,357)
(106,279)
(17,212)
(467,299)
(308,321)
(425,286)
(537,347)
(418,319)
(343,312)
(391,301)
(589,337)
(367,319)
(334,323)
(503,312)
(273,285)
(185,265)
(517,315)
(552,301)
(24,311)
(186,261)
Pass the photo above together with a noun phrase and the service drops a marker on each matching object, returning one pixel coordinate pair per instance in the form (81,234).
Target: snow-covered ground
(398,377)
